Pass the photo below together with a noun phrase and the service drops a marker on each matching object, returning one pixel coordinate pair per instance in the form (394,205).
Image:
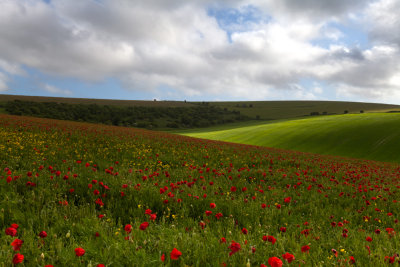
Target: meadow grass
(94,187)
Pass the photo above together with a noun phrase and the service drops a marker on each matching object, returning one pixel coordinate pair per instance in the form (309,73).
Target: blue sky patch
(237,19)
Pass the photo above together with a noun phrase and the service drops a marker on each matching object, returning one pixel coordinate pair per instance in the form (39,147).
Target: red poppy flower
(212,205)
(202,225)
(15,226)
(390,231)
(42,234)
(17,243)
(269,238)
(287,200)
(275,262)
(234,247)
(18,258)
(153,217)
(11,231)
(99,202)
(163,257)
(100,265)
(289,257)
(233,189)
(79,252)
(352,260)
(369,239)
(244,231)
(305,248)
(369,250)
(175,254)
(282,229)
(128,228)
(143,226)
(218,215)
(334,251)
(148,212)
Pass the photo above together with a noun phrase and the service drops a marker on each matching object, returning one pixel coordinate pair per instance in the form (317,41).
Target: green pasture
(374,136)
(272,110)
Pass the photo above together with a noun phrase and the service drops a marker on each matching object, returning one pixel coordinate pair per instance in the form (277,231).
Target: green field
(273,110)
(373,136)
(80,194)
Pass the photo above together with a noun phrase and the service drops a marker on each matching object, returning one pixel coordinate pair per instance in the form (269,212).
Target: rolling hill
(374,136)
(265,110)
(275,110)
(369,130)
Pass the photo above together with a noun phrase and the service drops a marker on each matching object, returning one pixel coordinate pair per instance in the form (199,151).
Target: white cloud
(382,18)
(54,90)
(3,82)
(311,10)
(151,45)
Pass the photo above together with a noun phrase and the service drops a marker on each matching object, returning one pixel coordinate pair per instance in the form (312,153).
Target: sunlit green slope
(371,136)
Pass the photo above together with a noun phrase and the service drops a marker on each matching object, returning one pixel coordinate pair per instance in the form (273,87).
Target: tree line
(132,116)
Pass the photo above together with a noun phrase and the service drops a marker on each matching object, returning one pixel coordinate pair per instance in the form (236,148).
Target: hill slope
(263,110)
(273,110)
(369,136)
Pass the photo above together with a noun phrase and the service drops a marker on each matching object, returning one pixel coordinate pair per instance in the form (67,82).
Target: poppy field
(78,194)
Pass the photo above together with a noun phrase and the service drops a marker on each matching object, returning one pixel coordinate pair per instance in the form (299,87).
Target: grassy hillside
(369,136)
(272,110)
(265,110)
(79,194)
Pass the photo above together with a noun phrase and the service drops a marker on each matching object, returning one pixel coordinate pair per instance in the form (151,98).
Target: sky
(202,50)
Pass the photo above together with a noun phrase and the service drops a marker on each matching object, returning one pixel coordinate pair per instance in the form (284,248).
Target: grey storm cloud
(320,8)
(177,44)
(384,22)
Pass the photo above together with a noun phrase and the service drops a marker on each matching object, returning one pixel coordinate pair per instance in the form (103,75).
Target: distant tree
(324,113)
(257,117)
(346,111)
(361,111)
(251,105)
(314,113)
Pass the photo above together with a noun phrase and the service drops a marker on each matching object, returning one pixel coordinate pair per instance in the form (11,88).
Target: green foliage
(134,116)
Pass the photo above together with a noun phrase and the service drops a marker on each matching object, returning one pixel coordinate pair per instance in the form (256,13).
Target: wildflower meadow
(79,194)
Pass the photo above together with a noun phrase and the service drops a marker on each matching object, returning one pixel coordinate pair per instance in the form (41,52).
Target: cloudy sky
(202,49)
